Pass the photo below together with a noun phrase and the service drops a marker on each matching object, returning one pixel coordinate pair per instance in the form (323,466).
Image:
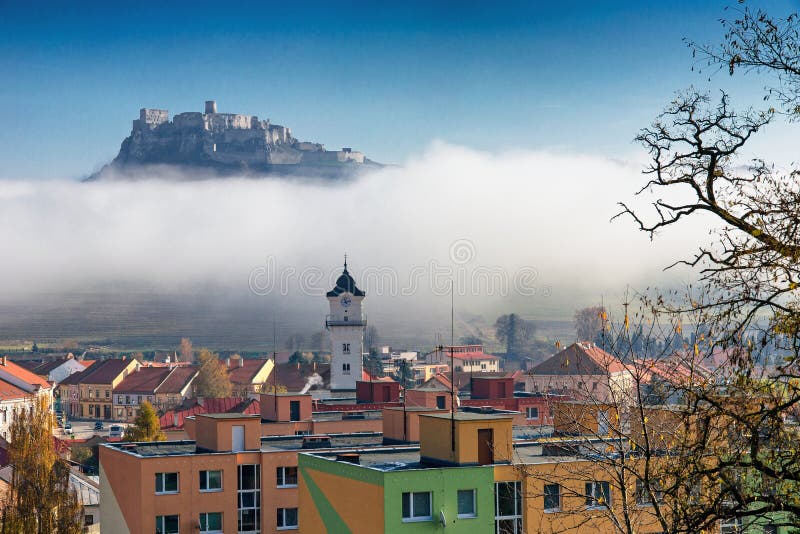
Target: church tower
(346,327)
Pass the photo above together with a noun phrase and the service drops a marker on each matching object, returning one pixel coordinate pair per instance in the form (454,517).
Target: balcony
(330,321)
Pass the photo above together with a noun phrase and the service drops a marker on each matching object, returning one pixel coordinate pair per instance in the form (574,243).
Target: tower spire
(345,262)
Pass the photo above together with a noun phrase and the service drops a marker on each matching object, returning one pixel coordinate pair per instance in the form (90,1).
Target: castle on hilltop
(227,142)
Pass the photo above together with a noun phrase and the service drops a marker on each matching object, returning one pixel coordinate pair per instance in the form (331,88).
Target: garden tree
(212,378)
(652,432)
(39,499)
(295,342)
(301,358)
(470,340)
(515,333)
(749,301)
(373,363)
(146,426)
(371,338)
(589,322)
(185,351)
(405,373)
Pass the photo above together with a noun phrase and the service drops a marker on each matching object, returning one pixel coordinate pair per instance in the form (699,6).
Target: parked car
(98,425)
(68,428)
(115,431)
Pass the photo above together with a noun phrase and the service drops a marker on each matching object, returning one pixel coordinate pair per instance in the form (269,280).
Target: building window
(552,497)
(598,494)
(127,399)
(417,506)
(249,488)
(287,518)
(167,524)
(483,366)
(91,410)
(642,497)
(119,399)
(138,399)
(287,477)
(108,393)
(346,348)
(440,402)
(166,483)
(211,522)
(346,368)
(91,394)
(466,503)
(508,508)
(532,412)
(210,480)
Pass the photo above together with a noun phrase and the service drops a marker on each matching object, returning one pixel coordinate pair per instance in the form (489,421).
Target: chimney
(227,362)
(241,362)
(3,361)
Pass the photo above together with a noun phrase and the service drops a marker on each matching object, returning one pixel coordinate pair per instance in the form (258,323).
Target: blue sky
(387,79)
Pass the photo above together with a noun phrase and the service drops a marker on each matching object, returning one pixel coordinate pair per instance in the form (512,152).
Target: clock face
(345,301)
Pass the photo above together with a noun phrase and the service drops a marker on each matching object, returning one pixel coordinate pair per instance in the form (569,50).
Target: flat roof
(268,444)
(469,416)
(229,415)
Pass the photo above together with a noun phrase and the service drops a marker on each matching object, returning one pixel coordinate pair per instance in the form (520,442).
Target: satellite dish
(442,518)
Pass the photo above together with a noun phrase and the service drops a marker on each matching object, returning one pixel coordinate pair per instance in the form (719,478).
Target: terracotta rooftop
(581,358)
(104,372)
(176,418)
(177,380)
(10,391)
(243,371)
(145,380)
(22,374)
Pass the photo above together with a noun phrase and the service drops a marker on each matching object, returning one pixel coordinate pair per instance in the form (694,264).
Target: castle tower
(211,106)
(346,328)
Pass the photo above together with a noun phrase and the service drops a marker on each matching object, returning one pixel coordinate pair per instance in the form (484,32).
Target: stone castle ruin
(227,143)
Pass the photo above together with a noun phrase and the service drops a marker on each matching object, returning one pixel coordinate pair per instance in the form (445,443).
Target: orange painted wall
(217,434)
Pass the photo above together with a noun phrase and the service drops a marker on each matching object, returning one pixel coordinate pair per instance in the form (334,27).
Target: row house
(58,369)
(466,358)
(248,375)
(88,394)
(163,387)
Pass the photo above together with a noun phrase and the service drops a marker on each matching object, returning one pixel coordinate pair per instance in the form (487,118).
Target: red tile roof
(177,380)
(10,392)
(145,380)
(176,418)
(242,371)
(579,359)
(104,372)
(22,373)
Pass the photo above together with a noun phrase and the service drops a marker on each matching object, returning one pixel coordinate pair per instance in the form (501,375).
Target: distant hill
(202,145)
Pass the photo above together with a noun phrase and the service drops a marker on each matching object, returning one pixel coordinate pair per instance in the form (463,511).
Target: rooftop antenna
(274,364)
(452,373)
(345,261)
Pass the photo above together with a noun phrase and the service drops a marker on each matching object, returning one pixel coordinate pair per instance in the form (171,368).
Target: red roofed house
(19,388)
(466,358)
(582,370)
(162,387)
(248,375)
(96,384)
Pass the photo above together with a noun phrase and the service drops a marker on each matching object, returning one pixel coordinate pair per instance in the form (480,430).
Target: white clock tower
(346,327)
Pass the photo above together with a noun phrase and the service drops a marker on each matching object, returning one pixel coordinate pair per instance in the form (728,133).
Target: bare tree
(739,429)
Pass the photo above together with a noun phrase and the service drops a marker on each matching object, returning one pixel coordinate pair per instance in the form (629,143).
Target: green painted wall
(444,483)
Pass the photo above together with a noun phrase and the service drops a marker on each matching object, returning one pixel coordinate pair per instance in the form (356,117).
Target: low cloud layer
(538,217)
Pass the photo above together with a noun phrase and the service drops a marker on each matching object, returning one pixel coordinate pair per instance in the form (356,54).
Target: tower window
(346,348)
(346,368)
